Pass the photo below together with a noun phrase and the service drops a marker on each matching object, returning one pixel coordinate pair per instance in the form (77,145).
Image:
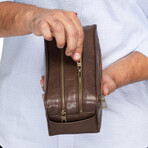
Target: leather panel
(90,120)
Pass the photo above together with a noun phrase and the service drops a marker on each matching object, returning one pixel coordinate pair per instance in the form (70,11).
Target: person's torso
(22,114)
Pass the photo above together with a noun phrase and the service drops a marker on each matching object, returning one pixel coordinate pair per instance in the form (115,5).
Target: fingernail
(107,91)
(77,56)
(43,96)
(69,54)
(60,46)
(41,83)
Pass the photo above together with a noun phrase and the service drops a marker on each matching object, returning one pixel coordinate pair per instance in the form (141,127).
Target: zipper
(79,67)
(63,112)
(101,97)
(103,102)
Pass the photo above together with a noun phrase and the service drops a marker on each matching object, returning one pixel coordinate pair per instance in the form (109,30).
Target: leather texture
(88,121)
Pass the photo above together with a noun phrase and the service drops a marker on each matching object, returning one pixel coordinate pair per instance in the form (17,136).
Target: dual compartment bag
(73,89)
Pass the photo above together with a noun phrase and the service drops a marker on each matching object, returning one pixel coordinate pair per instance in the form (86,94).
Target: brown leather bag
(73,89)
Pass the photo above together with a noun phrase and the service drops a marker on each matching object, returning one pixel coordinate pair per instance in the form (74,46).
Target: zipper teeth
(80,91)
(63,113)
(62,78)
(79,65)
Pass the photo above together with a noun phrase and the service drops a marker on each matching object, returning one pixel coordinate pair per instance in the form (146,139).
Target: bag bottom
(88,125)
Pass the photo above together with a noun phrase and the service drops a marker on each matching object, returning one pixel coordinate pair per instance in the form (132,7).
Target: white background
(1,44)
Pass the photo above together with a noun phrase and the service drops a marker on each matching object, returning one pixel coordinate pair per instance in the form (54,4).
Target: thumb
(108,84)
(105,90)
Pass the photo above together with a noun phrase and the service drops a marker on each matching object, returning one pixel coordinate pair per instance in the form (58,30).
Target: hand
(42,85)
(129,69)
(65,26)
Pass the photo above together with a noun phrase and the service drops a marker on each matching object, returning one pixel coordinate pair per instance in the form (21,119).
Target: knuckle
(73,32)
(43,25)
(81,35)
(49,37)
(40,25)
(49,17)
(38,34)
(59,13)
(70,49)
(58,27)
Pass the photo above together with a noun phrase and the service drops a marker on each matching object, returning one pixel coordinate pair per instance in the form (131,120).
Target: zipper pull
(63,116)
(103,102)
(79,66)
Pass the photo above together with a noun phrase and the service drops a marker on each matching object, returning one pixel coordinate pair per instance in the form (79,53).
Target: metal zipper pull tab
(79,67)
(103,102)
(63,116)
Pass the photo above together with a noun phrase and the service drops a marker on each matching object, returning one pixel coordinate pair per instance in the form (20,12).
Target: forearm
(21,19)
(15,18)
(129,69)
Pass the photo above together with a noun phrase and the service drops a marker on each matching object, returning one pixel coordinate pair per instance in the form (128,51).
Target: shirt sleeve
(143,46)
(143,4)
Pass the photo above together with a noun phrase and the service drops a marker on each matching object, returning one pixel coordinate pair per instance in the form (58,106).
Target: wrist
(122,71)
(31,16)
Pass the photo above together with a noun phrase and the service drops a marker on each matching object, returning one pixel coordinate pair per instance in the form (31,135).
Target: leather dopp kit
(73,99)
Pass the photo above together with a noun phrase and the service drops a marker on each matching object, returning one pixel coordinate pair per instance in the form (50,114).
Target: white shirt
(122,29)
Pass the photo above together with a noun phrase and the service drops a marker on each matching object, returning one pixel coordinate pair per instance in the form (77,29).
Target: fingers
(59,32)
(72,38)
(71,33)
(43,96)
(42,83)
(77,54)
(108,84)
(105,90)
(65,26)
(45,30)
(105,87)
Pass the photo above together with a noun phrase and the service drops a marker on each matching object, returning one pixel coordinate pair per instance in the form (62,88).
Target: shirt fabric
(122,27)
